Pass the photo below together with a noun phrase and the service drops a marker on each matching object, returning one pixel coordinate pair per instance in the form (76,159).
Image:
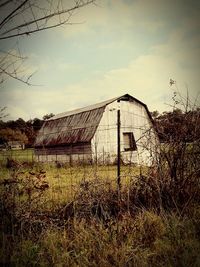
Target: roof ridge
(91,107)
(83,109)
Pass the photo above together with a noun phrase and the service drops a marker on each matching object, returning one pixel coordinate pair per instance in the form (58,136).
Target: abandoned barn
(89,134)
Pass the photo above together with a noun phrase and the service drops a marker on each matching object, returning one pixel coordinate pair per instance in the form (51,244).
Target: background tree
(178,125)
(154,114)
(48,116)
(8,134)
(20,127)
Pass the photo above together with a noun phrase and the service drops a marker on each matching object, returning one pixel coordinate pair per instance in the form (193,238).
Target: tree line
(173,125)
(177,125)
(21,130)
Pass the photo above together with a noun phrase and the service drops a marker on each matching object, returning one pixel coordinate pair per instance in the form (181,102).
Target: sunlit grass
(65,182)
(19,155)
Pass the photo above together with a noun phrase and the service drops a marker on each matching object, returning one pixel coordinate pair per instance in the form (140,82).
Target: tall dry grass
(96,226)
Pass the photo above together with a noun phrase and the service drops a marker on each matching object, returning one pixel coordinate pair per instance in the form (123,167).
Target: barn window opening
(129,142)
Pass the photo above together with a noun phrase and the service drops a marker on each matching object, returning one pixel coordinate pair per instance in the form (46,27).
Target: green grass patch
(22,155)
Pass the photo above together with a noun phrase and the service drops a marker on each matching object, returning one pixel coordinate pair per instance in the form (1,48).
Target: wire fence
(65,179)
(74,155)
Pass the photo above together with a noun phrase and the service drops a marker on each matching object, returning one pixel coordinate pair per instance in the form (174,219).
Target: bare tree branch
(5,3)
(25,17)
(13,12)
(78,5)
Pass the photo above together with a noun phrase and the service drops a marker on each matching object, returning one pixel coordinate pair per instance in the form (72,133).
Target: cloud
(123,47)
(120,15)
(146,78)
(63,66)
(111,16)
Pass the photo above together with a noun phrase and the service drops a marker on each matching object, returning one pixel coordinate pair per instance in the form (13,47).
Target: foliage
(27,128)
(177,167)
(95,226)
(178,124)
(48,116)
(146,240)
(8,134)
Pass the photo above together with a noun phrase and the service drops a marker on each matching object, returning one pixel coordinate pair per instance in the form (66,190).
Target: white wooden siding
(134,118)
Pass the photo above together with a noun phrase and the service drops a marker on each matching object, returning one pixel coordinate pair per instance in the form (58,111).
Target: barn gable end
(137,134)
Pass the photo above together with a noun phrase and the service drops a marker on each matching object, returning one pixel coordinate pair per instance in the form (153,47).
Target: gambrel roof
(76,126)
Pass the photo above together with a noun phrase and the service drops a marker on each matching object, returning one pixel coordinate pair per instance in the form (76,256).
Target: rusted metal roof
(80,110)
(77,126)
(74,128)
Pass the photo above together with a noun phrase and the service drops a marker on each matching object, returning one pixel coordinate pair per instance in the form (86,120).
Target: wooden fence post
(118,150)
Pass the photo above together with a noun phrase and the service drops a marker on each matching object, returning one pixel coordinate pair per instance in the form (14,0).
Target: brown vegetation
(80,218)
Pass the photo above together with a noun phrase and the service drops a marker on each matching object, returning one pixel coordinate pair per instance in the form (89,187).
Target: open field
(66,182)
(19,155)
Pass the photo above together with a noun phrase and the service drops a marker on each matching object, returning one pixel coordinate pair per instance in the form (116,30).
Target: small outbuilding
(89,134)
(15,145)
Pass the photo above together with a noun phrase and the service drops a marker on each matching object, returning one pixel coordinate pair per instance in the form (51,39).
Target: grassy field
(65,182)
(56,215)
(20,155)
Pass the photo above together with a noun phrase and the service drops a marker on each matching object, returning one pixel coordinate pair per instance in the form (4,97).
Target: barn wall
(75,153)
(134,118)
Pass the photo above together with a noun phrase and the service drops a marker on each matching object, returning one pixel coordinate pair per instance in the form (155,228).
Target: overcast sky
(120,46)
